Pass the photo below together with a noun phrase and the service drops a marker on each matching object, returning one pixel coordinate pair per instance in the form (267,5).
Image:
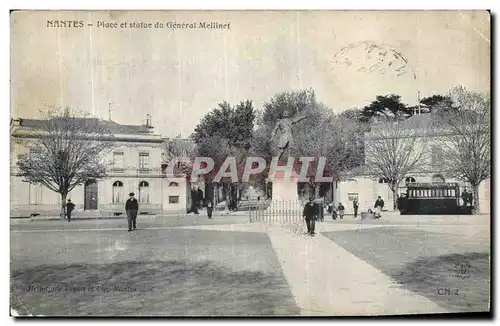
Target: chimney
(148,121)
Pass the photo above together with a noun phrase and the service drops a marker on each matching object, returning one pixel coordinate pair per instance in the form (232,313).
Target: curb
(141,217)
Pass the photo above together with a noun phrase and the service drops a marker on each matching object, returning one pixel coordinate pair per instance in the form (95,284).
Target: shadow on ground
(457,282)
(153,288)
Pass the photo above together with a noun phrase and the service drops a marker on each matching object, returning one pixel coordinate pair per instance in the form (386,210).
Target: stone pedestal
(285,204)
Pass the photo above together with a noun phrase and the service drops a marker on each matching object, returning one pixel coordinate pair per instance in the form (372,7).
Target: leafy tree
(177,147)
(386,106)
(435,102)
(321,134)
(466,141)
(289,102)
(234,124)
(225,131)
(68,152)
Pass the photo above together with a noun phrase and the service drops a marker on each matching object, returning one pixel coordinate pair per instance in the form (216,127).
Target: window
(435,155)
(437,178)
(144,192)
(352,196)
(173,184)
(35,194)
(143,161)
(118,161)
(173,199)
(117,192)
(409,180)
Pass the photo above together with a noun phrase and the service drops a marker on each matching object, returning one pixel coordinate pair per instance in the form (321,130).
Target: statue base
(285,205)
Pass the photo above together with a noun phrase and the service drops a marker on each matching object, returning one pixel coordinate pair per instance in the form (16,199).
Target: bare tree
(333,137)
(394,148)
(67,151)
(465,146)
(177,147)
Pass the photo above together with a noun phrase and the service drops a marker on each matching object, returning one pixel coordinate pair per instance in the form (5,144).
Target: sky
(179,75)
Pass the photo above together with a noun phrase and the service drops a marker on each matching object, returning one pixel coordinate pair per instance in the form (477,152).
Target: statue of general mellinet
(283,132)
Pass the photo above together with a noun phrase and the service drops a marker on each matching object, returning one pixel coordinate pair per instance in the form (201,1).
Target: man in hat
(131,207)
(379,205)
(210,207)
(69,208)
(310,213)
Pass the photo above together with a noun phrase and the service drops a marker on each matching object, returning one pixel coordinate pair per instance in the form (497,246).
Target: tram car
(432,198)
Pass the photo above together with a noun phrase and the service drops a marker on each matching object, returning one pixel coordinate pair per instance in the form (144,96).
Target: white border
(185,4)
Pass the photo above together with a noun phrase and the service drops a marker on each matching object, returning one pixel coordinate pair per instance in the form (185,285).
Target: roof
(417,121)
(113,127)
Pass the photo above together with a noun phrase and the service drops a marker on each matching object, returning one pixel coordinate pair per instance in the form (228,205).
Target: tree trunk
(63,205)
(475,199)
(394,197)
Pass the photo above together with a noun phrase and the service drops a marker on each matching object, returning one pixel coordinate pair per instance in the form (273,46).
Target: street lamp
(267,194)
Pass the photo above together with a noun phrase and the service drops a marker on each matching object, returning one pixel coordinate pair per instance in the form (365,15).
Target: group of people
(466,198)
(313,210)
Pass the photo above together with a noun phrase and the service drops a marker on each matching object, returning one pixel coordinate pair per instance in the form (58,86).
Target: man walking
(131,207)
(341,210)
(379,204)
(465,197)
(355,205)
(309,214)
(194,201)
(69,208)
(210,207)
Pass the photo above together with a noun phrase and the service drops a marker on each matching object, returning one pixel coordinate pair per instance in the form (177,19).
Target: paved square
(149,272)
(193,266)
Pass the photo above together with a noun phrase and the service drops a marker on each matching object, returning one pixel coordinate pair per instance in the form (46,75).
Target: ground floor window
(144,192)
(117,192)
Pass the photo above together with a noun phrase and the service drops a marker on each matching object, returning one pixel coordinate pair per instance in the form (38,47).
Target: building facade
(366,188)
(134,166)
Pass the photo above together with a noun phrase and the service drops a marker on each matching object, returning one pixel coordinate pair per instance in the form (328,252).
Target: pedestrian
(199,198)
(379,204)
(69,208)
(334,212)
(210,208)
(319,204)
(131,208)
(465,197)
(309,214)
(341,210)
(194,201)
(355,205)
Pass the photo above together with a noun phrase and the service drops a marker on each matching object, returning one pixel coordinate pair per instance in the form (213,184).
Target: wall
(367,189)
(171,190)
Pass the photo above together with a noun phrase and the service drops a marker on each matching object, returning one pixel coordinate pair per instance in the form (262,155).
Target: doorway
(91,195)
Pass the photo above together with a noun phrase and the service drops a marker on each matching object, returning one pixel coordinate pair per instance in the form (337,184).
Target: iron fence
(277,212)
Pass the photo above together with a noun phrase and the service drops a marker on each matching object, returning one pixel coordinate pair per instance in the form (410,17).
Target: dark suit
(131,207)
(310,211)
(210,208)
(69,208)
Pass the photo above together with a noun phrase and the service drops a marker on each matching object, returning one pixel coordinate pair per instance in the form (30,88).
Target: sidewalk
(122,217)
(437,219)
(327,280)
